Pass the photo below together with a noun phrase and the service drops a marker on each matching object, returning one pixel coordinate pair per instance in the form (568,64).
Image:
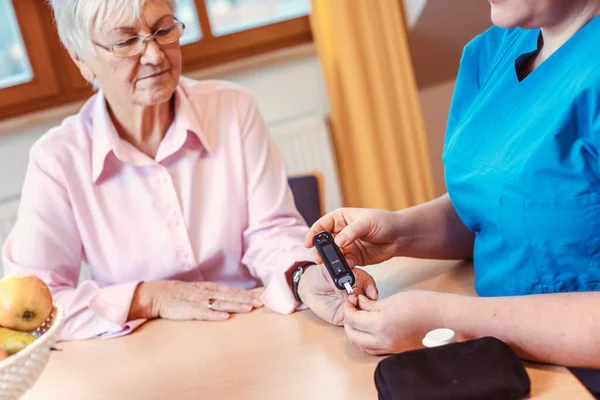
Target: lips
(154,75)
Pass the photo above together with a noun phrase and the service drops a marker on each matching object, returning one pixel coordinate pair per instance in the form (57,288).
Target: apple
(25,302)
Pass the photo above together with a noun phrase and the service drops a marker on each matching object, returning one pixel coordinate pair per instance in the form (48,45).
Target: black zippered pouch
(485,368)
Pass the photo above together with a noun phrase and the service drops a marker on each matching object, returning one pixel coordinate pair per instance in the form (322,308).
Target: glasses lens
(169,34)
(129,47)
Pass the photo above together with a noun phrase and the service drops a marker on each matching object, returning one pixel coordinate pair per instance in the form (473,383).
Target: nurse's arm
(433,230)
(559,328)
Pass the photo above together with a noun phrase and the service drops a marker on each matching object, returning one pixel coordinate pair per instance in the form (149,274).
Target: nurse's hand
(395,324)
(317,291)
(183,301)
(365,236)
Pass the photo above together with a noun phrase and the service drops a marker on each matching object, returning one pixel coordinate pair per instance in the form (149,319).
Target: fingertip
(364,303)
(341,240)
(372,292)
(308,239)
(308,243)
(352,299)
(363,298)
(222,316)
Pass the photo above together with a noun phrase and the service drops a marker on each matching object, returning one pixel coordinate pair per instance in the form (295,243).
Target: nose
(153,54)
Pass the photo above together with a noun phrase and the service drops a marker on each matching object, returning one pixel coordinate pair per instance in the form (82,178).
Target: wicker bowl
(19,372)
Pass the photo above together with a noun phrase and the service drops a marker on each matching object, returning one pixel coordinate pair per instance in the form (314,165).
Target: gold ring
(210,303)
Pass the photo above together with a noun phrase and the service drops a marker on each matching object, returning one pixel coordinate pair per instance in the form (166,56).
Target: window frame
(57,81)
(212,50)
(44,84)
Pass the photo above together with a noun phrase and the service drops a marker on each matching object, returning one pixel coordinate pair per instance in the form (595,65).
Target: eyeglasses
(136,45)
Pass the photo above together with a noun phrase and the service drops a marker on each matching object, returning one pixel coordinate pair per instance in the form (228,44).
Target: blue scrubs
(521,162)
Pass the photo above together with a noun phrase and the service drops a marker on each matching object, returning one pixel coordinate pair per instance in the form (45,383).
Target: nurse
(522,170)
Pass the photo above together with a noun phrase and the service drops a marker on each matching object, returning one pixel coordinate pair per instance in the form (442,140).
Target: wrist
(144,304)
(403,229)
(448,312)
(300,286)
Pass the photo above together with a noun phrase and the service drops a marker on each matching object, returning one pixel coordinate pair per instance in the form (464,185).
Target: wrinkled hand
(365,236)
(317,291)
(176,300)
(392,325)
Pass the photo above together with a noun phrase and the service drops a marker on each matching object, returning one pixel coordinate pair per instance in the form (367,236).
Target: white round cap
(438,337)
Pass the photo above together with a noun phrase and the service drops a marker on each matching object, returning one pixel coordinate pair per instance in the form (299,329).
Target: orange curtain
(376,120)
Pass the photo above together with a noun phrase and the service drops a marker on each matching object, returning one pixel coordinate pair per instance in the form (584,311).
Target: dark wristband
(296,279)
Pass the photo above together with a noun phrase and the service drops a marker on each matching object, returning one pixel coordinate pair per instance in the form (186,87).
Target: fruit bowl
(19,372)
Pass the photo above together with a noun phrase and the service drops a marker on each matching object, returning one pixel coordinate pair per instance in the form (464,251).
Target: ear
(84,68)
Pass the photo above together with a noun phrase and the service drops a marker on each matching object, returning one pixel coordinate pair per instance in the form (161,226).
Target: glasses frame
(145,39)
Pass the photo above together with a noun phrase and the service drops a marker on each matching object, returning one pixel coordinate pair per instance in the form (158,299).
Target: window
(229,16)
(36,72)
(15,68)
(186,13)
(27,75)
(233,29)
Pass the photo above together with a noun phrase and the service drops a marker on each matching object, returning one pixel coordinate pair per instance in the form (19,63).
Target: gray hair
(77,20)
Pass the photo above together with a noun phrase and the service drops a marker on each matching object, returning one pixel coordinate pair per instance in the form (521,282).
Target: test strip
(348,288)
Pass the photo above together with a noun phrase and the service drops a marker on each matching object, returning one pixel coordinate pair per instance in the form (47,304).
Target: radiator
(305,145)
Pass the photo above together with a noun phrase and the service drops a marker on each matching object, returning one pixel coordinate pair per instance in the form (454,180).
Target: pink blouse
(213,206)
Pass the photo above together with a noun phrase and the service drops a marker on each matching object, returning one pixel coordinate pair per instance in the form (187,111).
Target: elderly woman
(523,177)
(170,189)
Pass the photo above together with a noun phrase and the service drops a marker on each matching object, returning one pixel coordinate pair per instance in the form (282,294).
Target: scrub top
(521,162)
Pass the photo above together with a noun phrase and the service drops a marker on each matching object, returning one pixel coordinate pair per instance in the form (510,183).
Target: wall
(438,36)
(436,40)
(435,103)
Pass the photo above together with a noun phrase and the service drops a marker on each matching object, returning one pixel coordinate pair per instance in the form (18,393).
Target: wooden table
(261,355)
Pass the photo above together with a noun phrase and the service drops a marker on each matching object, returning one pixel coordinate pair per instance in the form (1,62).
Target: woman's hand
(176,300)
(318,292)
(392,325)
(365,236)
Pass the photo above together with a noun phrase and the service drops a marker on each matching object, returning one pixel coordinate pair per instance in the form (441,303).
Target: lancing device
(334,261)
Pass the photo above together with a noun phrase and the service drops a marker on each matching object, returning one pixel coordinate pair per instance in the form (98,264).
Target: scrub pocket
(561,240)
